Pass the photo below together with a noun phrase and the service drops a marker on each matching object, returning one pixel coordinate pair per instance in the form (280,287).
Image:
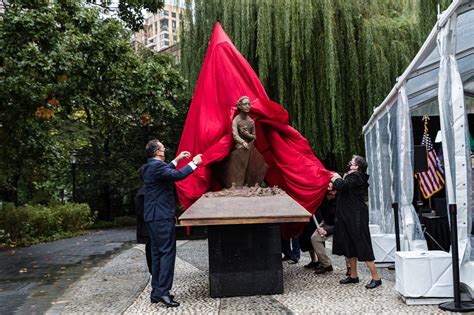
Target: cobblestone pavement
(107,288)
(127,290)
(304,291)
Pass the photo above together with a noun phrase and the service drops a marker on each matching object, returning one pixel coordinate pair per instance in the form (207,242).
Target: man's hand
(197,159)
(183,155)
(322,232)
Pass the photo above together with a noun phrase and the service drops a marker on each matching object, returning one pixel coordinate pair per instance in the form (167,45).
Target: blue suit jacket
(159,178)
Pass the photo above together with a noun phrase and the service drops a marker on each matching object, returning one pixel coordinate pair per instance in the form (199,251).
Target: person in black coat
(159,215)
(351,230)
(142,230)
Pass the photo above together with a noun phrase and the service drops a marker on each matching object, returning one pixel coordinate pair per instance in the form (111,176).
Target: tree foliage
(70,80)
(328,62)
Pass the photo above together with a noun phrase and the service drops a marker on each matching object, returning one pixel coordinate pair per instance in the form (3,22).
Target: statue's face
(244,105)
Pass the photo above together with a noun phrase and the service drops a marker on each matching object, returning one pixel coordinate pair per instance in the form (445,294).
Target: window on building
(164,36)
(175,38)
(173,26)
(173,14)
(153,47)
(164,13)
(164,25)
(164,43)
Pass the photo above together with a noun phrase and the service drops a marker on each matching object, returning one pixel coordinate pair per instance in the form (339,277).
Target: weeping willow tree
(328,62)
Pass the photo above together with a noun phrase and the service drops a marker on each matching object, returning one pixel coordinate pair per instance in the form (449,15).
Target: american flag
(432,180)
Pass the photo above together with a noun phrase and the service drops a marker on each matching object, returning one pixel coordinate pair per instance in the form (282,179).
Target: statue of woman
(243,127)
(244,166)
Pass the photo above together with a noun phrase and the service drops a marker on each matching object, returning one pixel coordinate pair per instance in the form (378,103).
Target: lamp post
(73,167)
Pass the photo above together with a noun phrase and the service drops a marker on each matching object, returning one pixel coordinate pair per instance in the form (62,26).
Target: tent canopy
(442,70)
(421,76)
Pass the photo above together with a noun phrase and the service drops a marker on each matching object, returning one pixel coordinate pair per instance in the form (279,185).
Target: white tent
(438,82)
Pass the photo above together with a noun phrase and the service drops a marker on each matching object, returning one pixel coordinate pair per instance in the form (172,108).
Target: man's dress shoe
(349,280)
(313,265)
(293,261)
(166,300)
(373,284)
(322,270)
(156,301)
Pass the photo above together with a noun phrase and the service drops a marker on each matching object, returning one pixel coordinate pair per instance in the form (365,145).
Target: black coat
(351,230)
(142,230)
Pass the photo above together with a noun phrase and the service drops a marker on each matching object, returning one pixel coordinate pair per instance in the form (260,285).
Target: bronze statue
(244,166)
(243,127)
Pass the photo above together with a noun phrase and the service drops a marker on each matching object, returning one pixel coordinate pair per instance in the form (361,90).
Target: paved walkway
(121,285)
(32,278)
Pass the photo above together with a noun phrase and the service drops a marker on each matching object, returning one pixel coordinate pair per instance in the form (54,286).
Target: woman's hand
(334,177)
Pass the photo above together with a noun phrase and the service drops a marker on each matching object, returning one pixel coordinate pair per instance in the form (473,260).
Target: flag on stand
(432,180)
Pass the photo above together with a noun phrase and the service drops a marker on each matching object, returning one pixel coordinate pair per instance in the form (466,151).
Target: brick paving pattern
(305,292)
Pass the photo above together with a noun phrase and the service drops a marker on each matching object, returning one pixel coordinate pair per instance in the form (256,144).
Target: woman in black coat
(351,231)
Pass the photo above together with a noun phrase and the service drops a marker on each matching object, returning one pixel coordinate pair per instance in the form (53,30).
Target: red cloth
(225,77)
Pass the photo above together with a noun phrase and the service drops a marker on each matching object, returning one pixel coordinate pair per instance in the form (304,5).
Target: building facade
(161,30)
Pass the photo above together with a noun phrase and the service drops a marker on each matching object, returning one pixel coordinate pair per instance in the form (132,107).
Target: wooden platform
(244,210)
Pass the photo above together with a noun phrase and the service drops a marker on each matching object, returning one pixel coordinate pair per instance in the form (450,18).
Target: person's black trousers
(148,254)
(163,255)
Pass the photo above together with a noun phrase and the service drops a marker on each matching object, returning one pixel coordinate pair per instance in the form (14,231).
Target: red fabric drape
(225,77)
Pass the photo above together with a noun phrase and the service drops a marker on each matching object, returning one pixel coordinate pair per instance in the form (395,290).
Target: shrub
(74,216)
(32,223)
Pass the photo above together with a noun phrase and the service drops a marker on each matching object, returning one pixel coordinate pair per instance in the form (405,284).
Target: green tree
(70,80)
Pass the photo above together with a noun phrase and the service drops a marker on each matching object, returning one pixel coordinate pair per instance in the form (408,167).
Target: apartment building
(161,30)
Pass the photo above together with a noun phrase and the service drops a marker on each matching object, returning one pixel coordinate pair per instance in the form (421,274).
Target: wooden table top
(244,210)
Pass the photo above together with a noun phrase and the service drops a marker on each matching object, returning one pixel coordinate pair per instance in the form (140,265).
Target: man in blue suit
(159,215)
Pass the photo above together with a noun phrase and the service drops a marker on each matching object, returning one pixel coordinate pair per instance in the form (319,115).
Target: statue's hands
(183,155)
(245,145)
(248,135)
(197,159)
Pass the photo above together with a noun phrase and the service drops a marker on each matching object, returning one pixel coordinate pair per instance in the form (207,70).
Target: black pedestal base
(464,307)
(245,260)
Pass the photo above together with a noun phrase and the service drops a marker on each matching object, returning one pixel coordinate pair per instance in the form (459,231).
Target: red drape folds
(225,77)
